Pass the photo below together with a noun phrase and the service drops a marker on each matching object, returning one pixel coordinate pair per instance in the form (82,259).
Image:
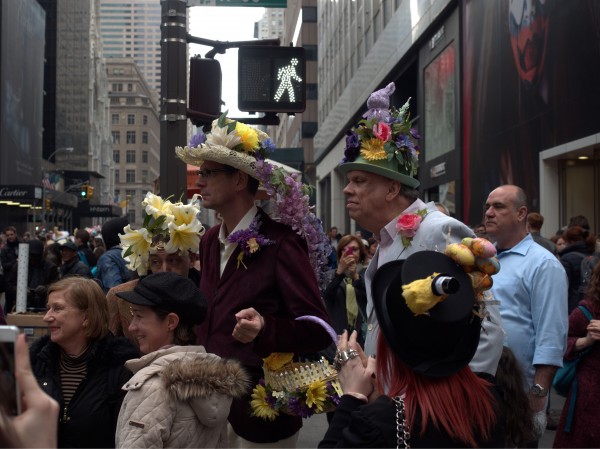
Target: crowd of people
(157,335)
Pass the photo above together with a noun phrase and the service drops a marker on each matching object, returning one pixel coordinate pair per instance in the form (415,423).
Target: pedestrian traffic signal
(271,79)
(205,86)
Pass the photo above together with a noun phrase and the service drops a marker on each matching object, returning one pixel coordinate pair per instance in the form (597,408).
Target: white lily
(185,237)
(219,136)
(184,213)
(138,241)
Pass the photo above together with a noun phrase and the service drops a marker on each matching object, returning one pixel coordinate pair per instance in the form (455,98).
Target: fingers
(353,344)
(27,383)
(343,341)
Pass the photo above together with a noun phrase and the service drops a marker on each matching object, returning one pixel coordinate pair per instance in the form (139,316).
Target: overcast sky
(224,24)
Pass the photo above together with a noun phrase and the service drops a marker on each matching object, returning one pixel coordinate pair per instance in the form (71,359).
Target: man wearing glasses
(256,276)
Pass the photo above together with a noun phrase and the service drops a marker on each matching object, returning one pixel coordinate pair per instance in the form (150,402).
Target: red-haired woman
(420,391)
(584,336)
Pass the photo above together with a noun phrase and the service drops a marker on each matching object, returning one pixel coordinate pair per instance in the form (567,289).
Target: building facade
(131,29)
(490,84)
(135,138)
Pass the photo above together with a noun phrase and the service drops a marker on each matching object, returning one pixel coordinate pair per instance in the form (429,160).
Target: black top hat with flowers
(383,141)
(436,340)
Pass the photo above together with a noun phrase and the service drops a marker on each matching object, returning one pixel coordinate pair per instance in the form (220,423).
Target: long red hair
(458,403)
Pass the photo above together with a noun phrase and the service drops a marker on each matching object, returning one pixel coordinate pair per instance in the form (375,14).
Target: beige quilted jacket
(179,397)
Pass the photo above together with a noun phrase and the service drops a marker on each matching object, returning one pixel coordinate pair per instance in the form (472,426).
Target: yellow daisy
(248,137)
(372,150)
(260,406)
(316,395)
(278,360)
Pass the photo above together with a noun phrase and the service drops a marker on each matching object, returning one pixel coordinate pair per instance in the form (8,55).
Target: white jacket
(179,397)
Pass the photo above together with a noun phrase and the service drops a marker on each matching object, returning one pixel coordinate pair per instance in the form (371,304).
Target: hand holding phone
(10,397)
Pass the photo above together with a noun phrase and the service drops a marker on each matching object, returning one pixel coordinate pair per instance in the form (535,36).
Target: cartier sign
(16,192)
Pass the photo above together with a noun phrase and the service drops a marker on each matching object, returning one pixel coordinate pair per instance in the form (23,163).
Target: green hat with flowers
(383,141)
(230,142)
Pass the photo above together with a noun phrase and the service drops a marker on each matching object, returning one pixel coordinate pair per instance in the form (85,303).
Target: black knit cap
(169,292)
(111,230)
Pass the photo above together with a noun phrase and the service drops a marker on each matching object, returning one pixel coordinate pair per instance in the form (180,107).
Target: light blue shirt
(532,288)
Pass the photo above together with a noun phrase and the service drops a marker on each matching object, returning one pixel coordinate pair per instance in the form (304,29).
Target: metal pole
(173,115)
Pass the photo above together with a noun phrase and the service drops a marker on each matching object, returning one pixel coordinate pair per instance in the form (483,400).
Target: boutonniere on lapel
(249,241)
(408,224)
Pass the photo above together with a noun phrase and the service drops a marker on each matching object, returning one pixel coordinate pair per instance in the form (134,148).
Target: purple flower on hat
(268,146)
(352,147)
(415,133)
(197,139)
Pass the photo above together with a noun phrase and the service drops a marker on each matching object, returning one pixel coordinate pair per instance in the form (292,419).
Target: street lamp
(66,149)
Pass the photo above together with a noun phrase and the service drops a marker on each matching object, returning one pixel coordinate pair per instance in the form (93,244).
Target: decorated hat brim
(220,154)
(381,168)
(435,345)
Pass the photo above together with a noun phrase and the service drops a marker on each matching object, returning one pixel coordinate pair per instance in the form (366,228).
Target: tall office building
(131,29)
(135,137)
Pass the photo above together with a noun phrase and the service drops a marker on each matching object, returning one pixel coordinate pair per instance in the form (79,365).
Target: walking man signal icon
(285,75)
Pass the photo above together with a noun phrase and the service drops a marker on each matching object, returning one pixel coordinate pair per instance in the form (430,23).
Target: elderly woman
(179,395)
(81,364)
(420,391)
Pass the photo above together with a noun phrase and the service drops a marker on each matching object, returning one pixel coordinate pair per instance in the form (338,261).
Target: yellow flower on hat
(185,237)
(372,150)
(183,213)
(260,407)
(154,205)
(136,248)
(316,395)
(248,137)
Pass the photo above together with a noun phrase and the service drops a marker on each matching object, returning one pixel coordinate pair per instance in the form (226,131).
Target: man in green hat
(380,163)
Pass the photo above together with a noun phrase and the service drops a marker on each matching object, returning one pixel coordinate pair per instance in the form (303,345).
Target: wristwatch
(538,391)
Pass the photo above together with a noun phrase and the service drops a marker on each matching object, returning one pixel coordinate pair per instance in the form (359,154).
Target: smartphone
(349,251)
(10,397)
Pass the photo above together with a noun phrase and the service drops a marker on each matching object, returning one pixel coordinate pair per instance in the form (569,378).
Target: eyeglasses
(209,172)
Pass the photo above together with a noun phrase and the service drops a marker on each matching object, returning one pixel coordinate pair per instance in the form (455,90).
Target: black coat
(335,302)
(75,267)
(91,417)
(570,258)
(39,277)
(9,255)
(355,424)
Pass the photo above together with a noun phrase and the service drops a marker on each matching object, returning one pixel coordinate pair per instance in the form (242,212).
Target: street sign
(258,3)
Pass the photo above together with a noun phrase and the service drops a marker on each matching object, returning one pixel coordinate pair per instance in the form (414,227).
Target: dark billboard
(21,91)
(530,77)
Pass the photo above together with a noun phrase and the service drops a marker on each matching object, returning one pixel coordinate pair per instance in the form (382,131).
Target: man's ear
(241,180)
(393,190)
(522,213)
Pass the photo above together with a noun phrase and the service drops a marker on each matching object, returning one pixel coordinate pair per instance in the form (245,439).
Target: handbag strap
(586,312)
(315,319)
(402,430)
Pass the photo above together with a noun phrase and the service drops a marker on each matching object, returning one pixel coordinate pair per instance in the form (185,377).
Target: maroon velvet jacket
(279,283)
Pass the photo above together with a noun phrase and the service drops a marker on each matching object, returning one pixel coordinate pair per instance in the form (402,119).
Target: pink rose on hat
(382,131)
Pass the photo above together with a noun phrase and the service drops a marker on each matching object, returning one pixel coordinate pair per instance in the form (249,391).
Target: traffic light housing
(84,192)
(90,192)
(271,79)
(205,86)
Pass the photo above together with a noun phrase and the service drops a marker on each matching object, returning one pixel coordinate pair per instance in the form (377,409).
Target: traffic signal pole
(173,97)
